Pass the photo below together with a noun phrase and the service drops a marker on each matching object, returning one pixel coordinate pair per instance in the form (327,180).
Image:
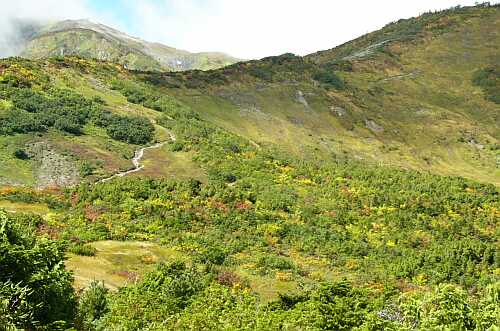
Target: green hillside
(351,189)
(90,40)
(412,102)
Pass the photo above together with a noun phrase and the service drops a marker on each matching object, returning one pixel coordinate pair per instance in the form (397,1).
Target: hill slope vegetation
(331,192)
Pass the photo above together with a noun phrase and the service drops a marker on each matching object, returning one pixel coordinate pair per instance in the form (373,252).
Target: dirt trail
(136,160)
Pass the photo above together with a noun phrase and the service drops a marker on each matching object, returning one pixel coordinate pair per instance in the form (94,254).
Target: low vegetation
(489,80)
(269,216)
(262,237)
(35,289)
(68,112)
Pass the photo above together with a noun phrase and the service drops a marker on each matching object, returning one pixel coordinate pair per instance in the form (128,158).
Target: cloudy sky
(244,28)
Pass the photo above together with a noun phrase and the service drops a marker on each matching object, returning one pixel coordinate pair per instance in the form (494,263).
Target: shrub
(28,100)
(212,256)
(228,278)
(33,112)
(176,146)
(489,80)
(21,154)
(133,130)
(261,73)
(277,198)
(86,169)
(68,124)
(33,269)
(329,78)
(340,306)
(18,121)
(92,306)
(83,250)
(15,310)
(164,292)
(445,308)
(275,263)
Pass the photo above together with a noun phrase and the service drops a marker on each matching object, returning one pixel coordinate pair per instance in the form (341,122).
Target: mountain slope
(91,40)
(424,100)
(405,95)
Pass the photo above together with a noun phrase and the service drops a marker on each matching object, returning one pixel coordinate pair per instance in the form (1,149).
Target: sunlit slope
(409,96)
(58,156)
(417,94)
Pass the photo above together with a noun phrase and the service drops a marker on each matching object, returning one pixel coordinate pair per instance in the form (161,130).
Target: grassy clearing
(13,170)
(118,263)
(162,162)
(20,207)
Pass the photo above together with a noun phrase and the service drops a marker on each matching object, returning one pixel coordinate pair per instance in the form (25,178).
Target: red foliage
(74,199)
(228,278)
(93,212)
(243,205)
(220,205)
(48,230)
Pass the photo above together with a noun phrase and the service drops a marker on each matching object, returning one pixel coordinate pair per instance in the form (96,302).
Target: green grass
(13,170)
(167,164)
(118,263)
(21,207)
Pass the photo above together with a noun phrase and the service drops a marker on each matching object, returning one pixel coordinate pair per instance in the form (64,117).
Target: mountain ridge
(96,40)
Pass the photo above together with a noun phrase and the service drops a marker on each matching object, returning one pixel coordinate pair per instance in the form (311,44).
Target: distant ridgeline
(83,38)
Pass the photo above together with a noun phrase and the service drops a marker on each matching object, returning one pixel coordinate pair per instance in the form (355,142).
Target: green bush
(271,262)
(212,256)
(68,124)
(83,250)
(35,288)
(15,308)
(87,169)
(18,121)
(163,293)
(92,306)
(489,80)
(33,111)
(21,154)
(329,78)
(176,146)
(133,130)
(340,306)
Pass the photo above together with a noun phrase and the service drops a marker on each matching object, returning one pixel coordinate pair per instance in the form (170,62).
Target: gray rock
(55,169)
(299,97)
(373,126)
(339,111)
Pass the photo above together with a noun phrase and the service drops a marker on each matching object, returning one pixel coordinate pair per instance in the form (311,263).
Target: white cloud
(258,28)
(40,10)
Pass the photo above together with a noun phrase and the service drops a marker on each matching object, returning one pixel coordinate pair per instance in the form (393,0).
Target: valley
(355,188)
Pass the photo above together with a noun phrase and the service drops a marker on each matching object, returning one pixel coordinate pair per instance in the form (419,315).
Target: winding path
(136,160)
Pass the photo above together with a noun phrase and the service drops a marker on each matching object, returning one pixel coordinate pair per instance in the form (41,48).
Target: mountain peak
(85,38)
